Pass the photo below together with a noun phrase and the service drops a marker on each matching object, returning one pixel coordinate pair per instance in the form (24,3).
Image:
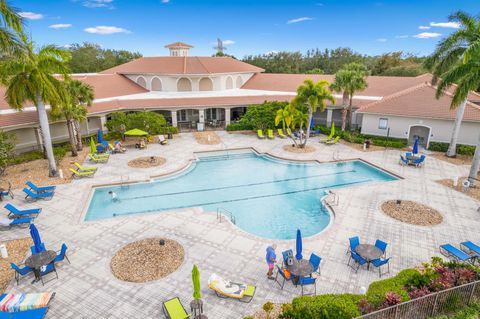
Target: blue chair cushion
(307,281)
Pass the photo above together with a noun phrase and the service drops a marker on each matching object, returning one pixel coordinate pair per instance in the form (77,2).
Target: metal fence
(430,305)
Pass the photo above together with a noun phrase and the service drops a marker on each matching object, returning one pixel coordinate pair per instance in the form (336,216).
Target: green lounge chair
(260,134)
(334,141)
(174,309)
(329,138)
(280,133)
(98,159)
(270,134)
(84,168)
(79,174)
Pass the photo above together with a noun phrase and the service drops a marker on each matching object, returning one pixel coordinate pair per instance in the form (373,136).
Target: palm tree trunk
(71,135)
(344,110)
(310,116)
(78,130)
(349,116)
(473,176)
(452,148)
(47,140)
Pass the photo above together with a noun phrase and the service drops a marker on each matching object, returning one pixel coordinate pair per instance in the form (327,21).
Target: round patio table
(38,260)
(300,268)
(368,252)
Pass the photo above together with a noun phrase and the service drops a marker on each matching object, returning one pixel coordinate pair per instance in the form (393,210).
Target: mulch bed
(17,251)
(458,160)
(293,149)
(411,212)
(147,161)
(147,260)
(207,138)
(473,192)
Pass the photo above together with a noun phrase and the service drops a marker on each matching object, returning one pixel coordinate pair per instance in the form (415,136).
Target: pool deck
(87,289)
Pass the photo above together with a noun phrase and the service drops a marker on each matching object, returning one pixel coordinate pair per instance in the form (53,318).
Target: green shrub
(438,147)
(466,149)
(152,122)
(238,127)
(468,312)
(60,151)
(261,116)
(331,306)
(377,290)
(25,157)
(443,147)
(389,143)
(112,136)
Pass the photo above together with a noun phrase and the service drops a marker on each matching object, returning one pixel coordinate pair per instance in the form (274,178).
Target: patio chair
(315,261)
(407,154)
(227,289)
(17,213)
(23,302)
(31,196)
(452,252)
(358,260)
(332,142)
(34,250)
(286,255)
(174,309)
(80,174)
(308,281)
(39,313)
(41,189)
(9,223)
(20,272)
(62,254)
(470,248)
(260,134)
(49,268)
(419,162)
(378,263)
(353,243)
(403,160)
(285,276)
(162,140)
(280,133)
(270,134)
(381,245)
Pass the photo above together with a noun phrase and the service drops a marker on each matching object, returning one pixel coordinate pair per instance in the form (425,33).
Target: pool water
(269,197)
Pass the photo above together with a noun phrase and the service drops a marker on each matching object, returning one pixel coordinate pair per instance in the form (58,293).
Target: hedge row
(443,147)
(58,151)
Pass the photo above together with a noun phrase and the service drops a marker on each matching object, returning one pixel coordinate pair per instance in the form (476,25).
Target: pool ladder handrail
(222,211)
(335,200)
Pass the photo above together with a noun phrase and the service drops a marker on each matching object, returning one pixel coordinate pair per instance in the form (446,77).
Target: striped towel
(22,302)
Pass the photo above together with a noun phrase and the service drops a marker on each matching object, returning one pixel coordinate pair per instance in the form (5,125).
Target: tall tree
(10,27)
(349,80)
(311,96)
(455,49)
(33,77)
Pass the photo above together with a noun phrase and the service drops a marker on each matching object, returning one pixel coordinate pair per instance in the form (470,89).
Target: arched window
(205,84)
(239,82)
(156,84)
(229,83)
(141,81)
(184,85)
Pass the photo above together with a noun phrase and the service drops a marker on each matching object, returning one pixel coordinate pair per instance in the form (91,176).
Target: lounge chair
(162,140)
(329,138)
(98,159)
(84,168)
(174,309)
(31,196)
(334,141)
(21,302)
(260,134)
(225,289)
(20,271)
(470,248)
(17,213)
(21,222)
(80,174)
(280,133)
(450,251)
(403,160)
(40,189)
(270,134)
(39,313)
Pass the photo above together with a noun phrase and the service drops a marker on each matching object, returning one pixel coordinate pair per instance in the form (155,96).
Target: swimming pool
(269,197)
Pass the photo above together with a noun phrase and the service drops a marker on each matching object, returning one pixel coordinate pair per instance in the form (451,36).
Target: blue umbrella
(299,245)
(100,136)
(36,238)
(415,147)
(312,127)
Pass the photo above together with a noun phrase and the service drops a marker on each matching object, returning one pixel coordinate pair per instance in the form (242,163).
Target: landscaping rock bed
(294,149)
(147,162)
(411,212)
(207,138)
(17,252)
(147,260)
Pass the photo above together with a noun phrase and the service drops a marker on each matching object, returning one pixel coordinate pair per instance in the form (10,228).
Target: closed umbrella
(93,147)
(37,242)
(332,129)
(100,136)
(312,126)
(299,245)
(196,283)
(415,147)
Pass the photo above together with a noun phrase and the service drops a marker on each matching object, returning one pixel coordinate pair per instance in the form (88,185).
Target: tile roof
(179,44)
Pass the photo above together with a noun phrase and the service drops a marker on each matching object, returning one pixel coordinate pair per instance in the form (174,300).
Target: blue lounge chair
(315,261)
(287,254)
(378,263)
(450,251)
(31,196)
(23,222)
(357,260)
(62,254)
(20,271)
(40,189)
(403,160)
(27,314)
(381,245)
(470,248)
(354,242)
(283,275)
(16,213)
(307,281)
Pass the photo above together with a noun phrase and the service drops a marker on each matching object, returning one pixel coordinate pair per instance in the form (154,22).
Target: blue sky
(247,27)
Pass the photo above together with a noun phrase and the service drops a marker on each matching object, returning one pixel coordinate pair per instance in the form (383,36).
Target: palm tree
(349,80)
(30,78)
(311,96)
(284,116)
(74,111)
(465,75)
(298,118)
(457,48)
(11,25)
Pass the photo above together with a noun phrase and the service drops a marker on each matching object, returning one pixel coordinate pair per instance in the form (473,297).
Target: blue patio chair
(27,314)
(420,161)
(381,245)
(308,281)
(378,263)
(283,275)
(354,242)
(403,160)
(34,196)
(49,268)
(20,271)
(40,189)
(315,261)
(16,213)
(470,248)
(21,222)
(452,252)
(408,154)
(34,251)
(62,254)
(357,259)
(287,254)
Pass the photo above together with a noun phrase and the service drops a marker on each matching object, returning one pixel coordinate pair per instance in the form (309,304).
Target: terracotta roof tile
(179,44)
(18,119)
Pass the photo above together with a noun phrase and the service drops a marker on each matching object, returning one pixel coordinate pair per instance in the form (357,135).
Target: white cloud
(66,46)
(381,40)
(165,1)
(31,15)
(273,52)
(103,29)
(60,26)
(427,35)
(297,20)
(98,4)
(424,27)
(453,25)
(228,42)
(401,36)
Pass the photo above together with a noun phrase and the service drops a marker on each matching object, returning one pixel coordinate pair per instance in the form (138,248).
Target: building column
(174,119)
(201,115)
(329,117)
(227,116)
(103,121)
